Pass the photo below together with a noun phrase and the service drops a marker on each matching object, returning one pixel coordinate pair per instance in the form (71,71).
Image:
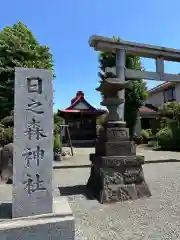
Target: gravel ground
(151,218)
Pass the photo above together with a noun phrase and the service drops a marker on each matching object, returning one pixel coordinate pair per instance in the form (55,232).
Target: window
(169,94)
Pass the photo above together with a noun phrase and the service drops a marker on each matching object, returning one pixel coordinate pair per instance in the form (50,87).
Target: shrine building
(81,117)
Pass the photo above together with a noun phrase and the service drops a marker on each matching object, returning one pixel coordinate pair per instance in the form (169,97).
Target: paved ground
(148,219)
(150,155)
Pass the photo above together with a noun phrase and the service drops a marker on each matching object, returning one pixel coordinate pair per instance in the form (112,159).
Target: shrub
(58,120)
(6,135)
(165,138)
(170,110)
(57,129)
(146,133)
(101,119)
(7,121)
(149,132)
(152,138)
(169,136)
(57,143)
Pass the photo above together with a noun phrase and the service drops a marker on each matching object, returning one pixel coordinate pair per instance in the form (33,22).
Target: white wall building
(168,91)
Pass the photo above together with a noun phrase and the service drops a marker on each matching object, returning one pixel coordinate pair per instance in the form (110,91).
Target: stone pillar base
(117,178)
(116,172)
(57,225)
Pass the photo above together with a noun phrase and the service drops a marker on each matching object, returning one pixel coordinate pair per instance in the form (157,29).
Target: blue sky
(65,26)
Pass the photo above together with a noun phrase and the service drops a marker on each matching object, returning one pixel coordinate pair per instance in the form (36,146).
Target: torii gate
(116,171)
(121,48)
(142,50)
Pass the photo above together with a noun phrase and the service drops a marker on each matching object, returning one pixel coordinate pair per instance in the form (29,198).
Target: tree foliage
(18,48)
(57,122)
(135,95)
(170,110)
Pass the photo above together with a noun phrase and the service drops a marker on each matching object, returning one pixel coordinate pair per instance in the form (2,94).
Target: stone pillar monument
(116,172)
(35,214)
(33,143)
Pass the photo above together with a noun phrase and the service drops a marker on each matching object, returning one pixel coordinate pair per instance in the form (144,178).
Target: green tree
(18,48)
(170,110)
(135,95)
(57,122)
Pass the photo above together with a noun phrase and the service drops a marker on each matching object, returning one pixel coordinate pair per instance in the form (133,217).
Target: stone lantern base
(116,172)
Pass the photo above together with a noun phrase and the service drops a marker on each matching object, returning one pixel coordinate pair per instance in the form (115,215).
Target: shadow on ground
(75,190)
(81,144)
(5,210)
(146,162)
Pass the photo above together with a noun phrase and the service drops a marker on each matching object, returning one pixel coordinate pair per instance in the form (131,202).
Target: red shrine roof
(80,105)
(146,110)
